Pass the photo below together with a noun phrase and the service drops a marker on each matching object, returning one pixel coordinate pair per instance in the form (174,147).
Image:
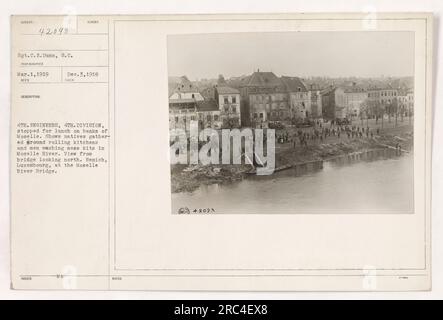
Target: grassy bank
(186,178)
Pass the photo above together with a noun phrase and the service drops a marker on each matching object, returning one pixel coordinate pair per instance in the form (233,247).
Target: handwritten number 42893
(52,31)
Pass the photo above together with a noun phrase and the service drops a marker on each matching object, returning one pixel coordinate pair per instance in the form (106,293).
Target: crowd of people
(320,132)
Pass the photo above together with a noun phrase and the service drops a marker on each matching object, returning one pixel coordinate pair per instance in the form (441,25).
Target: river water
(375,182)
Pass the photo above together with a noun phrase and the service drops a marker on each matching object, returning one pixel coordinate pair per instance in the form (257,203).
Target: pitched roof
(294,84)
(227,90)
(353,89)
(263,79)
(382,87)
(208,93)
(181,84)
(237,82)
(403,91)
(178,101)
(207,105)
(328,90)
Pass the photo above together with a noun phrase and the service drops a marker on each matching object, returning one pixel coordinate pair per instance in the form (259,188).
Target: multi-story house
(184,89)
(330,110)
(315,101)
(208,114)
(264,98)
(350,100)
(382,100)
(181,113)
(299,98)
(403,101)
(228,101)
(186,104)
(410,101)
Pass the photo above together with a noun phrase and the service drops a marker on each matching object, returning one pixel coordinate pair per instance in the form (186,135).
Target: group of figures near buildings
(262,100)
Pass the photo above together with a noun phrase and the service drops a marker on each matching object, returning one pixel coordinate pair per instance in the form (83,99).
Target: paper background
(234,7)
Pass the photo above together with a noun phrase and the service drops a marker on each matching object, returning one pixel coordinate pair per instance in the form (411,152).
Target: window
(208,117)
(234,109)
(176,119)
(216,117)
(226,101)
(226,109)
(261,115)
(192,96)
(192,118)
(234,99)
(255,115)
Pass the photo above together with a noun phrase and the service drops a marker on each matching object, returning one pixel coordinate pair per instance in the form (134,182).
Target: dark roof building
(353,88)
(181,84)
(207,105)
(293,84)
(262,79)
(226,90)
(208,92)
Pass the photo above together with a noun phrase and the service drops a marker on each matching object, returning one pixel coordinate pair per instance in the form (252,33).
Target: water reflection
(378,181)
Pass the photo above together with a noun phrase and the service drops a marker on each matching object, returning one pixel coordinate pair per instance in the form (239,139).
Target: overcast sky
(304,54)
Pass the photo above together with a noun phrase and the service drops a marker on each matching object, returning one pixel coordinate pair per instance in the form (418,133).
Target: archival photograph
(291,122)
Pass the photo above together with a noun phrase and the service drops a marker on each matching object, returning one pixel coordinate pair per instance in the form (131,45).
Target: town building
(181,113)
(183,89)
(410,101)
(382,100)
(186,104)
(218,107)
(403,101)
(351,100)
(259,99)
(264,98)
(345,101)
(299,98)
(314,97)
(228,101)
(208,114)
(329,109)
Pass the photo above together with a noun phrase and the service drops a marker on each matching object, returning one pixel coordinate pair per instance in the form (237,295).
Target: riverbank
(185,178)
